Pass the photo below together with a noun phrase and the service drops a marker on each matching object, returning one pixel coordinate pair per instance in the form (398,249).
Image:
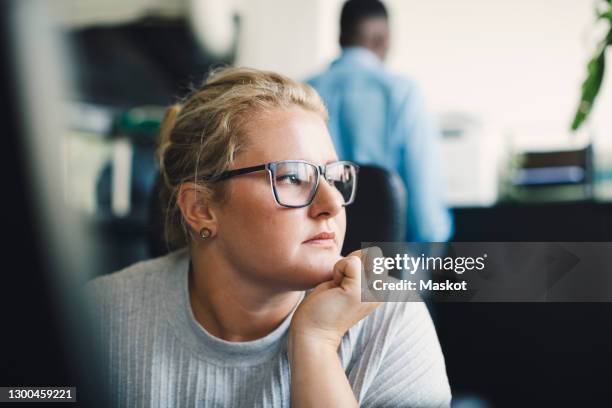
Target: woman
(256,190)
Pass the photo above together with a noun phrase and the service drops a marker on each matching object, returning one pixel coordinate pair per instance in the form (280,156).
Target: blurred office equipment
(129,63)
(472,153)
(126,181)
(109,174)
(602,168)
(553,176)
(144,62)
(213,23)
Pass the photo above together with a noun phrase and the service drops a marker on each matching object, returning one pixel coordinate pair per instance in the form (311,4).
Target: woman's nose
(327,202)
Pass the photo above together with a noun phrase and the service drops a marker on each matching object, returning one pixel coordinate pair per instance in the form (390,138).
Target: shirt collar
(359,55)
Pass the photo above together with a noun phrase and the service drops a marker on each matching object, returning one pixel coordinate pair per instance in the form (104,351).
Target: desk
(530,354)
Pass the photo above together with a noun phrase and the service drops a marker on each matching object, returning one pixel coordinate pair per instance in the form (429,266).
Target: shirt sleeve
(412,372)
(418,140)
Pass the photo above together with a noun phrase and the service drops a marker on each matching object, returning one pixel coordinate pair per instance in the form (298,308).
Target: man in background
(380,118)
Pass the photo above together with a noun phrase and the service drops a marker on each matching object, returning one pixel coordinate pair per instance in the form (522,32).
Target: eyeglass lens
(295,182)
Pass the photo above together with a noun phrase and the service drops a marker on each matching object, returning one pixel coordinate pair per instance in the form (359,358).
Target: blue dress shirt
(380,118)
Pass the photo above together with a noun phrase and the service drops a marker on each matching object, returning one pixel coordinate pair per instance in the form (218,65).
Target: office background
(503,78)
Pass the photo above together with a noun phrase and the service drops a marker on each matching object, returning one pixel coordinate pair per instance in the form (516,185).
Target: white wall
(280,35)
(513,62)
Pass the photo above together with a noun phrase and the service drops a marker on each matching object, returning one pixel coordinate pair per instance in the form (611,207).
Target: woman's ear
(196,208)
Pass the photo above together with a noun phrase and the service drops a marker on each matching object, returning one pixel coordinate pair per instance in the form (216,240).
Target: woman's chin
(318,269)
(321,274)
(309,278)
(320,277)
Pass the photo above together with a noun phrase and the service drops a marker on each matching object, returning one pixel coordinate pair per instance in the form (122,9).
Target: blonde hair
(201,135)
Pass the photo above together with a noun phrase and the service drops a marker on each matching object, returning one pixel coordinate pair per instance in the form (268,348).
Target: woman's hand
(317,327)
(334,306)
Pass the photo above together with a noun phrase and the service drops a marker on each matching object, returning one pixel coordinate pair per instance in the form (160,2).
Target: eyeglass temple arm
(232,173)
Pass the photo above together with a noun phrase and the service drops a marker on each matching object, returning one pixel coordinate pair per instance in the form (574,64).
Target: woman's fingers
(323,286)
(358,267)
(370,274)
(347,273)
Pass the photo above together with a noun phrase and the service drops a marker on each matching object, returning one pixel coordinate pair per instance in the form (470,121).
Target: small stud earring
(205,233)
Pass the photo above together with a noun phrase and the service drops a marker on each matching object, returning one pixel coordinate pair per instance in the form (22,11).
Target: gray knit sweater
(157,355)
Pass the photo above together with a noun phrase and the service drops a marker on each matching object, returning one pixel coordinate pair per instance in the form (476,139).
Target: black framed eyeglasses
(295,182)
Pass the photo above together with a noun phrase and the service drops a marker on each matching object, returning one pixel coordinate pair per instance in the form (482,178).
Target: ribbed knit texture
(157,355)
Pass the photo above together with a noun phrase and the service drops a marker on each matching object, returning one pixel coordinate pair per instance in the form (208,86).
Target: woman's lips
(323,238)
